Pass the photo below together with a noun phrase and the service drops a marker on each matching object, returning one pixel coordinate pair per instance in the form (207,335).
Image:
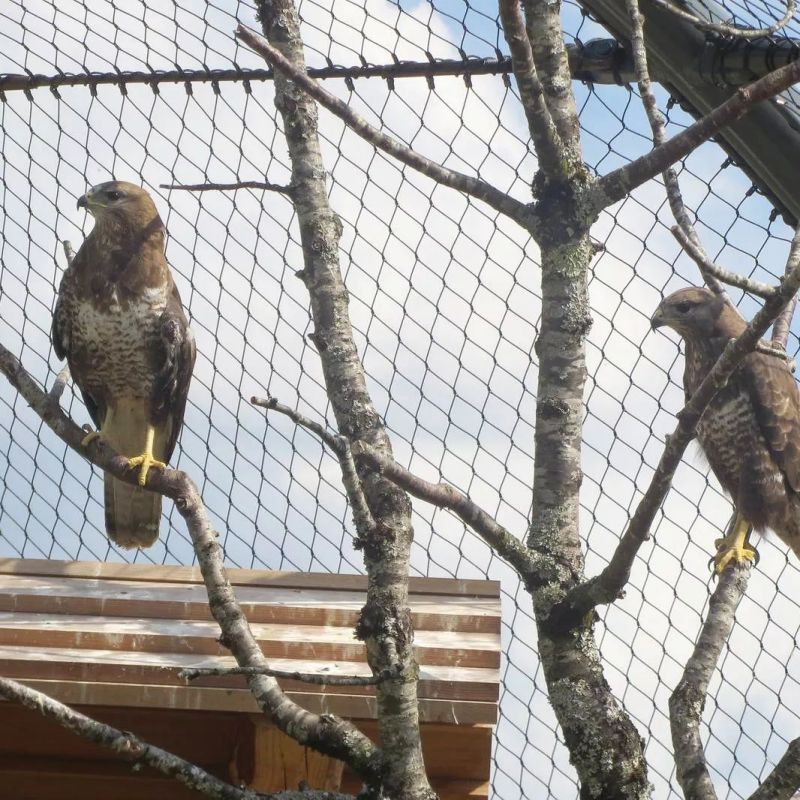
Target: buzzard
(120,324)
(750,432)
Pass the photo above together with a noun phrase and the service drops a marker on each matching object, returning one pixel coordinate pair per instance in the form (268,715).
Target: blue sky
(444,300)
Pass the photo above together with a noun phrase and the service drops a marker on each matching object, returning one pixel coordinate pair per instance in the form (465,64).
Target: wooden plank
(106,666)
(281,763)
(277,604)
(309,642)
(454,712)
(238,577)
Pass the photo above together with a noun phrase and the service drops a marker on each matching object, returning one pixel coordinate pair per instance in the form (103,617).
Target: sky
(444,298)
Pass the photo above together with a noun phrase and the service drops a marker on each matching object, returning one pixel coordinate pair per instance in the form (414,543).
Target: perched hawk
(120,323)
(750,433)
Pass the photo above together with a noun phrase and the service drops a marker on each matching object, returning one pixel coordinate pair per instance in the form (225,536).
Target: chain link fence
(445,301)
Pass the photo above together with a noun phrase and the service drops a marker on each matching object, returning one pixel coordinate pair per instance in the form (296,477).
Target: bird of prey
(120,324)
(750,432)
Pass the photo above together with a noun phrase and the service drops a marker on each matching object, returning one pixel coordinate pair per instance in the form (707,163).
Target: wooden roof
(117,634)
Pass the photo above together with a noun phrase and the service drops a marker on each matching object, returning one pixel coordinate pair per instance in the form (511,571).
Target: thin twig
(729,30)
(700,257)
(69,253)
(316,678)
(443,495)
(227,187)
(59,384)
(618,184)
(608,585)
(658,128)
(475,187)
(780,331)
(340,445)
(124,744)
(687,701)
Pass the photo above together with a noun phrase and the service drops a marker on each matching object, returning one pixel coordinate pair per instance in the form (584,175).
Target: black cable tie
(246,85)
(348,82)
(215,86)
(363,60)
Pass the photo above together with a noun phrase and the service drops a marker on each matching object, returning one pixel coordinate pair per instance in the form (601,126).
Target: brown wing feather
(60,334)
(776,402)
(171,387)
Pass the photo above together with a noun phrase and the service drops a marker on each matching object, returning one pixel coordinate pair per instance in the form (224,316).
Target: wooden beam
(238,577)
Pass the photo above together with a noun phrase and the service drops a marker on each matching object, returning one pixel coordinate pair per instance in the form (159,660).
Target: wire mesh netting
(444,297)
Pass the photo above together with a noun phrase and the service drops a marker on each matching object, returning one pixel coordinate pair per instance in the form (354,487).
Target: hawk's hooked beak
(657,320)
(83,201)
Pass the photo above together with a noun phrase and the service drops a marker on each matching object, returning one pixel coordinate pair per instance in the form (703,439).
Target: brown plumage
(120,324)
(750,433)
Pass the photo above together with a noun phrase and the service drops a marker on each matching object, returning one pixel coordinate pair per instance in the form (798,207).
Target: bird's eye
(683,308)
(113,194)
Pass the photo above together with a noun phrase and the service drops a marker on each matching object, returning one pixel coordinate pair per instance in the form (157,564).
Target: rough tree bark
(385,623)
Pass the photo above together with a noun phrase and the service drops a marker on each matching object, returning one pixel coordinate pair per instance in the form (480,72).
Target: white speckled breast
(119,346)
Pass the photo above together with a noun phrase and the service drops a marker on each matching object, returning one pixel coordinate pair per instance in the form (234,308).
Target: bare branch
(305,677)
(59,384)
(340,445)
(700,257)
(608,585)
(780,331)
(443,495)
(385,623)
(617,184)
(124,744)
(729,30)
(327,734)
(540,122)
(658,127)
(69,253)
(227,187)
(687,701)
(546,38)
(784,781)
(475,187)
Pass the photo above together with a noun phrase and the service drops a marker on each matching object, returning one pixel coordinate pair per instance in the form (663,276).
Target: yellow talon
(735,548)
(146,460)
(90,437)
